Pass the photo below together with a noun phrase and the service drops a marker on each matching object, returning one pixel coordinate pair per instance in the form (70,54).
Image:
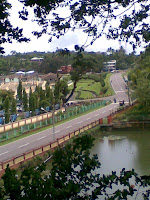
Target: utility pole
(53,117)
(128,92)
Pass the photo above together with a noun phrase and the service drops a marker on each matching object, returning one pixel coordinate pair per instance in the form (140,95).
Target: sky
(68,41)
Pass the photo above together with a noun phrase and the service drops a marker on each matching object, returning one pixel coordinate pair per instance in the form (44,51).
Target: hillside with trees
(139,78)
(53,61)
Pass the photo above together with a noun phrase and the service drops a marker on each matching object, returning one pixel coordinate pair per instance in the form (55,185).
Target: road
(44,137)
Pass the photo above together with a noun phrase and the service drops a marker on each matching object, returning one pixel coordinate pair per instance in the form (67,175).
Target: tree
(19,90)
(6,107)
(13,106)
(47,90)
(7,31)
(73,175)
(64,90)
(95,18)
(25,100)
(5,93)
(142,93)
(139,78)
(81,65)
(32,105)
(42,97)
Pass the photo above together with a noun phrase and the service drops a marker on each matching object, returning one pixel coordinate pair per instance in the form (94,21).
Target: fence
(24,157)
(18,128)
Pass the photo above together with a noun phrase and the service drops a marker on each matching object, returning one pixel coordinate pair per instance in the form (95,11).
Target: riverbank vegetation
(135,113)
(139,82)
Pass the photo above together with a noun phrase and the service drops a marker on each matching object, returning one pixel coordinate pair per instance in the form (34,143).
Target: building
(36,59)
(51,77)
(110,65)
(20,75)
(65,69)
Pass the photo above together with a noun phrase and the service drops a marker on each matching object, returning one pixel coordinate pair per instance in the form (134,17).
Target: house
(36,59)
(51,77)
(109,65)
(20,75)
(65,69)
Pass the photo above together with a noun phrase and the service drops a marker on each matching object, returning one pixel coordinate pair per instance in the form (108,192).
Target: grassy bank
(134,113)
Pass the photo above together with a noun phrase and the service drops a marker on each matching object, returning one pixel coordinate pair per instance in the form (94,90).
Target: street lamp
(53,117)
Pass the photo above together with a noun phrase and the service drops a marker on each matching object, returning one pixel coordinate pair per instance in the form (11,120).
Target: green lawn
(86,95)
(88,88)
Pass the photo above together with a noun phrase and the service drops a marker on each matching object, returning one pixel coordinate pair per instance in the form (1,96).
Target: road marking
(69,127)
(119,91)
(23,145)
(57,131)
(41,138)
(79,122)
(96,115)
(103,111)
(88,118)
(4,153)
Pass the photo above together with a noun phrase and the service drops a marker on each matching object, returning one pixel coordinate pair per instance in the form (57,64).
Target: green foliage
(13,106)
(79,16)
(7,104)
(32,100)
(139,78)
(19,90)
(81,13)
(7,116)
(53,61)
(6,93)
(92,87)
(80,65)
(7,31)
(142,92)
(25,100)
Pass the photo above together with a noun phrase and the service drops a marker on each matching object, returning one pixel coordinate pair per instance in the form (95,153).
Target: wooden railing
(28,155)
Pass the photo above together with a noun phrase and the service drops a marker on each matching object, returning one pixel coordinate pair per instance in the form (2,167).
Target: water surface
(124,149)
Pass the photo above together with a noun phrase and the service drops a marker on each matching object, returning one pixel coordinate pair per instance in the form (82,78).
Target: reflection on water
(124,149)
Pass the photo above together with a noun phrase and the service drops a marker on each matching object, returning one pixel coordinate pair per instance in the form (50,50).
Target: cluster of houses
(31,79)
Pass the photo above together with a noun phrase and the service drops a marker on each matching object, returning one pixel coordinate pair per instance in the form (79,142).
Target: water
(129,149)
(124,149)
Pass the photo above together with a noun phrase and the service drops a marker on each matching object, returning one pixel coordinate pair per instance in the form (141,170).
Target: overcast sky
(67,41)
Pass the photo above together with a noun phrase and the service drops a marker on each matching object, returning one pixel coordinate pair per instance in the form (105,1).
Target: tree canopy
(124,20)
(7,31)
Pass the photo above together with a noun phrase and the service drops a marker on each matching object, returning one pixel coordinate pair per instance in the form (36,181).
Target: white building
(110,65)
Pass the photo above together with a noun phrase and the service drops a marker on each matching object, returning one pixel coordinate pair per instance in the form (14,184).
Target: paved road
(44,137)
